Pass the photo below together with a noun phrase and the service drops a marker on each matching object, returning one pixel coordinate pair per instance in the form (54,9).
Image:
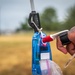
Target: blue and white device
(40,50)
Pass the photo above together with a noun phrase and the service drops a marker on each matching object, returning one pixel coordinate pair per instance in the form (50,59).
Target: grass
(15,55)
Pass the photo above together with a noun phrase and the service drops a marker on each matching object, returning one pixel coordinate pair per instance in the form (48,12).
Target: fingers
(60,46)
(71,48)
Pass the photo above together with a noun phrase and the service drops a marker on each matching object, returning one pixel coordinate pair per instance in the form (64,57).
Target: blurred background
(16,34)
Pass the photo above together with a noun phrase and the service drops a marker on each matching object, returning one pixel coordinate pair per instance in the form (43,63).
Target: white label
(45,56)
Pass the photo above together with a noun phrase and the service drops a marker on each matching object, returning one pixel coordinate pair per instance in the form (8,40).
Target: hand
(70,48)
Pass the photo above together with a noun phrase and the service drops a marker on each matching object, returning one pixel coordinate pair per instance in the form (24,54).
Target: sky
(14,12)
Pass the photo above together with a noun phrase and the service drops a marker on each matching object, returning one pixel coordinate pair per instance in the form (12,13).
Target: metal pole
(32,5)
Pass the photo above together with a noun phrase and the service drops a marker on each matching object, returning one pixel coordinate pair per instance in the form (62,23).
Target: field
(15,55)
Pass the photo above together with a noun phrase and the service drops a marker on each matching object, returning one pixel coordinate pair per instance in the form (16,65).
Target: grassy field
(15,55)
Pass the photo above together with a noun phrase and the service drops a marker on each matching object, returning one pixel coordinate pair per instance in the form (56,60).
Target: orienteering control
(41,51)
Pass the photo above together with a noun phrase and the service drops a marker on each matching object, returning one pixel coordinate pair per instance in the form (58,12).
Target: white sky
(13,12)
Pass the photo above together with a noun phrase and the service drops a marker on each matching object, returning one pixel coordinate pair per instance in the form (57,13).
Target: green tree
(49,19)
(70,18)
(24,26)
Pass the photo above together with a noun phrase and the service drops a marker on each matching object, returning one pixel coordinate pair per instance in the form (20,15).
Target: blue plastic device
(37,49)
(38,46)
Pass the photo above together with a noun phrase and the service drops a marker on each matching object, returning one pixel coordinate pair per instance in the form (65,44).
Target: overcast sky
(13,12)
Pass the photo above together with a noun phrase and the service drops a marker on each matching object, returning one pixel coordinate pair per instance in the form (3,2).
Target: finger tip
(65,52)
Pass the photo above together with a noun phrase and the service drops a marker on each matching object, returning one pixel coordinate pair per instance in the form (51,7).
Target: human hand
(70,48)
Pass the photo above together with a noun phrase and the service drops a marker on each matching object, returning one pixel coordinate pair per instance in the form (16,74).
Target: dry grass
(15,55)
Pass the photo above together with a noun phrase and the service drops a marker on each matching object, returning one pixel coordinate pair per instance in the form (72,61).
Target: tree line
(49,20)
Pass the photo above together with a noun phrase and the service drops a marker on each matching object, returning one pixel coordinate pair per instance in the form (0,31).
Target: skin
(70,48)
